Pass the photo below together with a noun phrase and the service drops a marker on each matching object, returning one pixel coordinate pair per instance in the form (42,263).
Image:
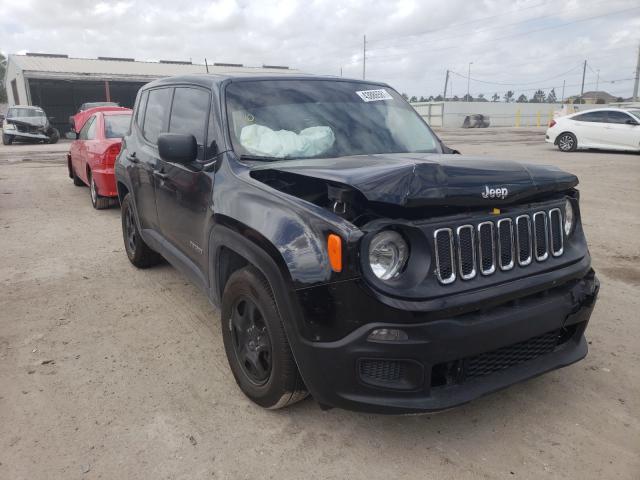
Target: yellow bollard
(517,118)
(538,119)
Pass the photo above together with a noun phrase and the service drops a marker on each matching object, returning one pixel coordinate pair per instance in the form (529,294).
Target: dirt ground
(115,373)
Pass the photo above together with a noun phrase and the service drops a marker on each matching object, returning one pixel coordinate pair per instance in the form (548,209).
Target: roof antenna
(206,65)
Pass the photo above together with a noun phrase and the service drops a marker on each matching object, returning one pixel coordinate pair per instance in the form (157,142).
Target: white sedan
(603,128)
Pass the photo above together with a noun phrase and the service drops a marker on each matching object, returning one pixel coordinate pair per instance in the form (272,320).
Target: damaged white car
(30,124)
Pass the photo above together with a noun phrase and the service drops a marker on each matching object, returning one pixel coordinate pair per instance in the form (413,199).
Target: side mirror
(177,147)
(631,122)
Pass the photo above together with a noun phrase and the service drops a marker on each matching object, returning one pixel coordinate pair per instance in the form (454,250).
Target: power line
(516,84)
(551,27)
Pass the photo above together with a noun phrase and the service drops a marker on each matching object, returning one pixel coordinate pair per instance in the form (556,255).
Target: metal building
(60,84)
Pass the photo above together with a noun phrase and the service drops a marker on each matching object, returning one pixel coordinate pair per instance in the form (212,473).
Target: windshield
(635,113)
(116,126)
(24,112)
(282,119)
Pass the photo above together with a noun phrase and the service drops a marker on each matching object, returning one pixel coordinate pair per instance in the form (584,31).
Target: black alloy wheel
(251,342)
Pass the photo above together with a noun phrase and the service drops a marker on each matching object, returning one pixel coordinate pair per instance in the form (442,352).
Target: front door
(184,192)
(620,133)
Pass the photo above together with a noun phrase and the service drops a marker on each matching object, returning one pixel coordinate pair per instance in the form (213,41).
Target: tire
(138,252)
(97,201)
(7,139)
(54,135)
(567,142)
(256,344)
(77,181)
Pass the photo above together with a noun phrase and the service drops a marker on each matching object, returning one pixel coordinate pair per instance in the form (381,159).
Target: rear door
(621,133)
(144,154)
(78,150)
(590,128)
(184,192)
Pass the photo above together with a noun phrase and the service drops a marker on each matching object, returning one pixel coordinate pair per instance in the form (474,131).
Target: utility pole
(584,71)
(468,81)
(597,83)
(364,57)
(446,82)
(635,85)
(563,82)
(340,70)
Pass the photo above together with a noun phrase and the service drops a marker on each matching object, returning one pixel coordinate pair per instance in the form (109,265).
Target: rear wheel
(255,342)
(567,142)
(137,250)
(7,139)
(97,201)
(77,181)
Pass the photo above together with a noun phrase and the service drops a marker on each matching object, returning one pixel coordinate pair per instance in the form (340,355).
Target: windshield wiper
(260,158)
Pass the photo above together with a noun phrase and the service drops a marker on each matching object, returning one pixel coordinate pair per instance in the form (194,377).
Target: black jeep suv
(352,254)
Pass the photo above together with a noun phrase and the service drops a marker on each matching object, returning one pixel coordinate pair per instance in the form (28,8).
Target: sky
(518,45)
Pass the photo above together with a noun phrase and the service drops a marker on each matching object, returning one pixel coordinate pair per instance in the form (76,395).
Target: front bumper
(16,134)
(450,361)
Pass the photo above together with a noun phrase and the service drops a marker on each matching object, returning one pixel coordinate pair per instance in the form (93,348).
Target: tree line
(540,96)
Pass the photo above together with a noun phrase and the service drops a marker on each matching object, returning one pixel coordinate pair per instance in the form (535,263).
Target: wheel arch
(562,133)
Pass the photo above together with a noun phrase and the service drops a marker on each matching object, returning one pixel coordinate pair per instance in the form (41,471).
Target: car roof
(128,111)
(606,109)
(209,79)
(31,107)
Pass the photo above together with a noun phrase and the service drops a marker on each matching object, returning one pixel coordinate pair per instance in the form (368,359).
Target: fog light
(387,335)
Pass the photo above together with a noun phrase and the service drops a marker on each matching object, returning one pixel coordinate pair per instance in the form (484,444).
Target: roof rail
(227,64)
(117,59)
(280,67)
(50,55)
(177,62)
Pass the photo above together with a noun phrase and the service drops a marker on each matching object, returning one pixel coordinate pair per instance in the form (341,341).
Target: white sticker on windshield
(374,95)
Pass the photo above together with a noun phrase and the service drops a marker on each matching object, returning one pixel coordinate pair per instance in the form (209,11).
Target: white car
(603,128)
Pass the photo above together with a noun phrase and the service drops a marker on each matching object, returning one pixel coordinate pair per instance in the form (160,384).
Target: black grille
(523,230)
(466,251)
(505,243)
(541,235)
(505,357)
(444,255)
(393,374)
(555,227)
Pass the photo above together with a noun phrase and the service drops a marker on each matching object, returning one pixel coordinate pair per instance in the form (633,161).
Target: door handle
(132,158)
(160,174)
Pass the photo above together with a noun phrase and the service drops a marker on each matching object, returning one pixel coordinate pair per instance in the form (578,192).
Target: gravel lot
(110,372)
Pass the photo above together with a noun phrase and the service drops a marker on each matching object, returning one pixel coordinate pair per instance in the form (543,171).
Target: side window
(157,113)
(142,106)
(84,132)
(189,114)
(91,133)
(595,116)
(617,117)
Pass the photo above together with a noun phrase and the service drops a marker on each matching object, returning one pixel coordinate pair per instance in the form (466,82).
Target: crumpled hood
(29,121)
(417,179)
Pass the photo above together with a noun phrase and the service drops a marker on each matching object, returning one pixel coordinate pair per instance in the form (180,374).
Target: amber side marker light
(334,246)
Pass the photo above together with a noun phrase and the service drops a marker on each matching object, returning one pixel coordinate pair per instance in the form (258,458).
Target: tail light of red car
(552,123)
(111,154)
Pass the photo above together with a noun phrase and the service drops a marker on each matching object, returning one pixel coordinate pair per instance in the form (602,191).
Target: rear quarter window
(596,116)
(156,117)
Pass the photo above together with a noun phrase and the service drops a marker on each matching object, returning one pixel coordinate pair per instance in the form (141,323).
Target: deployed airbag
(310,142)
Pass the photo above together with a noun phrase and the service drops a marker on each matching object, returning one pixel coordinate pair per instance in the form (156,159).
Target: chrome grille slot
(497,244)
(445,267)
(486,251)
(466,252)
(541,236)
(505,244)
(555,231)
(523,239)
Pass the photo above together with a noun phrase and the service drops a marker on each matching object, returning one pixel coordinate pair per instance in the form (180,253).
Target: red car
(92,155)
(87,109)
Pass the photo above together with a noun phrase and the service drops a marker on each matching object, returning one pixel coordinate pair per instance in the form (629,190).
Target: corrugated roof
(60,67)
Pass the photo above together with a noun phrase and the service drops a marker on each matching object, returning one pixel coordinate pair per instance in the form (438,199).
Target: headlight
(388,253)
(569,217)
(9,126)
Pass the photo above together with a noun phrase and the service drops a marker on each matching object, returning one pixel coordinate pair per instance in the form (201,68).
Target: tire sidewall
(246,284)
(93,188)
(126,205)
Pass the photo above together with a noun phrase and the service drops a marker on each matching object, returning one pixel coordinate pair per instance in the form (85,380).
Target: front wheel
(7,139)
(255,342)
(54,135)
(138,251)
(567,142)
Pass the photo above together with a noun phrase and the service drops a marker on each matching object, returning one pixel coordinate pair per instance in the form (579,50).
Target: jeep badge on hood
(495,192)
